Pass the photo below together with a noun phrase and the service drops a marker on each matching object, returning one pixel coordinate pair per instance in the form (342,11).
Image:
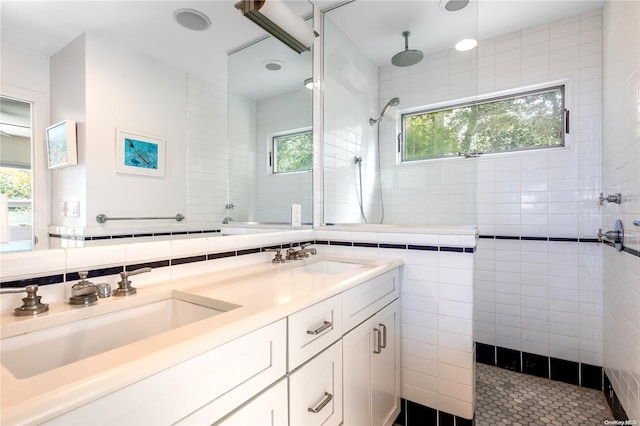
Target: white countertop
(264,292)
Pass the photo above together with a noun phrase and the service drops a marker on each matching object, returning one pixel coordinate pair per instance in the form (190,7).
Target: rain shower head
(392,102)
(407,57)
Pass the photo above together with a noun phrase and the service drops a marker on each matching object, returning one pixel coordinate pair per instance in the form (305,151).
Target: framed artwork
(62,148)
(139,154)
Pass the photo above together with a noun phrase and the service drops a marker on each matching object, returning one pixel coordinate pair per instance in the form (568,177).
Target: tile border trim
(114,269)
(70,237)
(438,417)
(586,375)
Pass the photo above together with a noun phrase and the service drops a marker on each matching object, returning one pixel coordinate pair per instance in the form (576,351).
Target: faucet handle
(124,286)
(278,257)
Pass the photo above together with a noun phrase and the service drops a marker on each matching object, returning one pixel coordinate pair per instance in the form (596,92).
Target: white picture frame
(62,146)
(139,154)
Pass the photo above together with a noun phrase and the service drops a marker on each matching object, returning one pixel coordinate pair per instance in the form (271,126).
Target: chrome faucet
(85,292)
(302,253)
(124,286)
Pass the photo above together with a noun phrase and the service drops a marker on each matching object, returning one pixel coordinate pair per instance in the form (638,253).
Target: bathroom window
(523,121)
(292,152)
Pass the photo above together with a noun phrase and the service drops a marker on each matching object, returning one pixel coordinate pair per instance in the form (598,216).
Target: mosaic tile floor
(508,398)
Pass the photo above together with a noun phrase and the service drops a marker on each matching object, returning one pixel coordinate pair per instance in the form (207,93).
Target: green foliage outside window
(16,183)
(529,121)
(293,152)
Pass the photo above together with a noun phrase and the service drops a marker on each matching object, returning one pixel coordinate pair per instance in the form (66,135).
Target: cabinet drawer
(313,329)
(208,386)
(268,409)
(361,302)
(315,390)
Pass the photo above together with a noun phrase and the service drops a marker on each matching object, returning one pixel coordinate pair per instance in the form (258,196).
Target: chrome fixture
(407,57)
(192,19)
(303,252)
(31,304)
(611,198)
(636,222)
(102,218)
(124,286)
(616,236)
(276,18)
(278,257)
(85,292)
(392,102)
(229,206)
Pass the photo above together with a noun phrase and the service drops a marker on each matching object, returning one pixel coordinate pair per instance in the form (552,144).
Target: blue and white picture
(139,154)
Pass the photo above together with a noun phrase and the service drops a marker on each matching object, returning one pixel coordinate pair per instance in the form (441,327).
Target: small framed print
(139,154)
(62,148)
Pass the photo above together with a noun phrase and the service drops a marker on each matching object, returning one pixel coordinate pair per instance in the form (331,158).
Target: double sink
(71,339)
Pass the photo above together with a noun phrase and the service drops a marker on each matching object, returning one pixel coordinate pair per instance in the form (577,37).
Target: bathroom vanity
(308,342)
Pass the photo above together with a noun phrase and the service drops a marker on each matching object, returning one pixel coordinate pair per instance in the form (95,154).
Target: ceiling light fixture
(273,65)
(308,83)
(275,17)
(466,44)
(453,5)
(192,19)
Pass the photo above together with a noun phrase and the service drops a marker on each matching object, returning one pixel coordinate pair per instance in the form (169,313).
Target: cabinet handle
(384,336)
(323,327)
(327,399)
(377,341)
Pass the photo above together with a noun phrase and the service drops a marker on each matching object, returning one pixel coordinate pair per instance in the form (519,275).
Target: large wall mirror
(160,79)
(270,138)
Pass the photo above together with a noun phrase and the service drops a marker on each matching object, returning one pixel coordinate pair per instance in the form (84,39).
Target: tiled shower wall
(621,160)
(350,98)
(538,285)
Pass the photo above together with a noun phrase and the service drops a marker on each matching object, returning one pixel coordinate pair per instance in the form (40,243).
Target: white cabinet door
(268,409)
(315,390)
(371,357)
(385,367)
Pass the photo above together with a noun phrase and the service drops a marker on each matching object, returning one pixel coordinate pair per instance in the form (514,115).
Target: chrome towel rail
(102,218)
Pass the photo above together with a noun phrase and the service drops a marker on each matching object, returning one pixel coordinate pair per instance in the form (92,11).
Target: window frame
(273,152)
(489,98)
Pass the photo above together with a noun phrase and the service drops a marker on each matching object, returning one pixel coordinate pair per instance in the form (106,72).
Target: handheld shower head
(392,102)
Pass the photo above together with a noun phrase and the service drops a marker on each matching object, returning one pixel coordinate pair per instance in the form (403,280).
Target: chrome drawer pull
(323,327)
(384,336)
(327,399)
(377,341)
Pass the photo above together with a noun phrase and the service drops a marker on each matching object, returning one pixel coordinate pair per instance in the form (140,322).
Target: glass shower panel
(365,179)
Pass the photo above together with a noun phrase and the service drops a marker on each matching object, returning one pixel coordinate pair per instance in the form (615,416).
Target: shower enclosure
(366,179)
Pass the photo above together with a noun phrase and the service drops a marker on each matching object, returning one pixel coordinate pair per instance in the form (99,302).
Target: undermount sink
(33,353)
(331,267)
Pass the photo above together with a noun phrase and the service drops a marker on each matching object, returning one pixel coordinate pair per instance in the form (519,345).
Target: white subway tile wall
(544,297)
(208,154)
(621,159)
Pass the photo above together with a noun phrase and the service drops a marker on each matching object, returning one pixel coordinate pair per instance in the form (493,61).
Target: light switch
(74,207)
(63,208)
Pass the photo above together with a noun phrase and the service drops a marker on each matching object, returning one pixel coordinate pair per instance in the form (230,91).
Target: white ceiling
(373,25)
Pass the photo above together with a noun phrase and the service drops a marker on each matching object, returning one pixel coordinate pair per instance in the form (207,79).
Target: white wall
(242,156)
(276,192)
(544,297)
(621,159)
(105,87)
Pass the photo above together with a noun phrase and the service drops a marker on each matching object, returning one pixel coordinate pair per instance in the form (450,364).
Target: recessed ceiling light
(466,44)
(192,19)
(273,65)
(453,5)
